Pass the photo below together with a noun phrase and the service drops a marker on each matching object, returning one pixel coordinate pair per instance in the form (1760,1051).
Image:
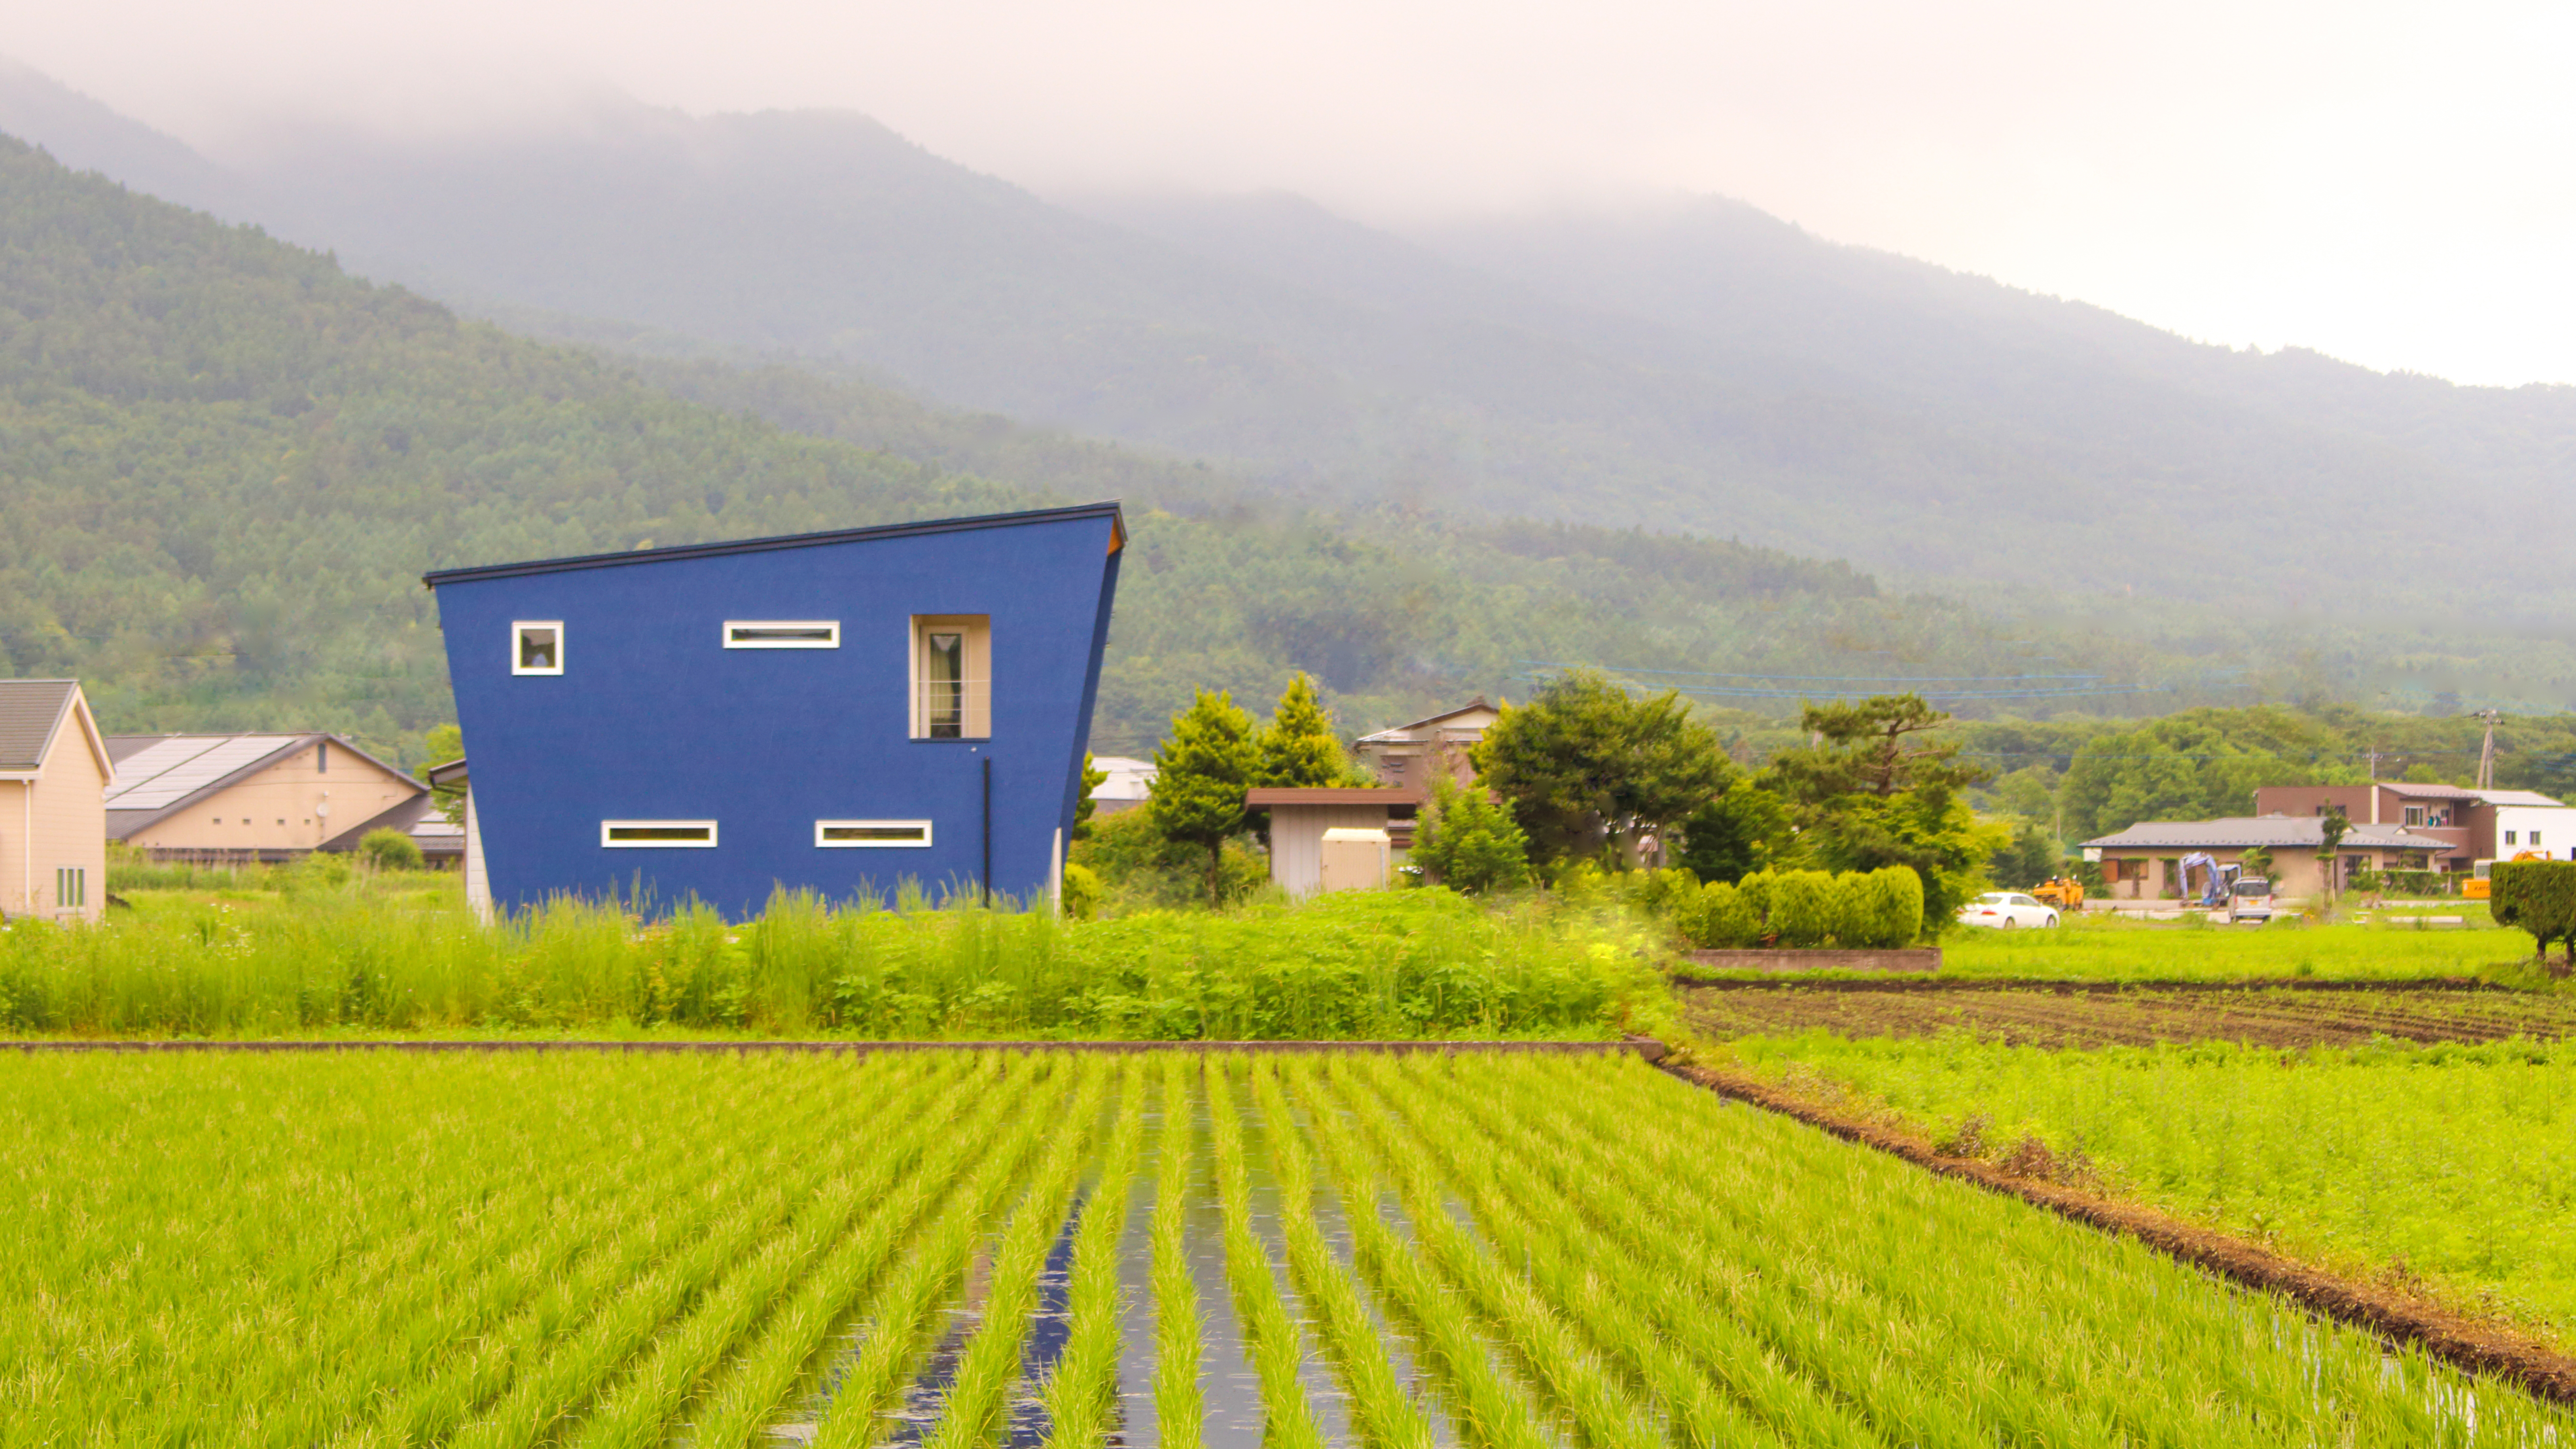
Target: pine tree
(1200,774)
(1299,748)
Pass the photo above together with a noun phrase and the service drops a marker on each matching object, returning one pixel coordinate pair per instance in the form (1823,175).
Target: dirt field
(2090,1017)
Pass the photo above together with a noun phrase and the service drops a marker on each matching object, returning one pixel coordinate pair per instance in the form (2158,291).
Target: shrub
(1895,915)
(1802,907)
(1723,920)
(1082,893)
(389,849)
(2538,896)
(1756,891)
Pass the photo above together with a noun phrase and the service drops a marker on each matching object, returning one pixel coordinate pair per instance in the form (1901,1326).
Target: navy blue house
(835,711)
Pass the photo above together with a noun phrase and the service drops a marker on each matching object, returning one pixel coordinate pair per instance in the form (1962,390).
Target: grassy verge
(399,954)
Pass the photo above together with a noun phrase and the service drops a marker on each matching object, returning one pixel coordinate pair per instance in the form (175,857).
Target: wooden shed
(1299,819)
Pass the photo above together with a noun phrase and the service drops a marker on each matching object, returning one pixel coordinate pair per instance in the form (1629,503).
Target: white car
(2007,909)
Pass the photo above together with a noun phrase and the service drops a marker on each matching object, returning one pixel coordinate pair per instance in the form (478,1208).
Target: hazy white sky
(2393,184)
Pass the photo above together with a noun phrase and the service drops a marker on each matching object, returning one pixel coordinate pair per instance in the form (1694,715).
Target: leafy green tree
(2257,862)
(1200,776)
(1584,765)
(2334,827)
(2024,860)
(443,744)
(1298,747)
(1876,789)
(1468,842)
(1085,807)
(1737,833)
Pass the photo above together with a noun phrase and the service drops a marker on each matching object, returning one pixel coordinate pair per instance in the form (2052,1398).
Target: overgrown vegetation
(400,954)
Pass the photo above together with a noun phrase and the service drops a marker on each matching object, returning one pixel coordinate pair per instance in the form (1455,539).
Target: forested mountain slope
(224,465)
(1700,367)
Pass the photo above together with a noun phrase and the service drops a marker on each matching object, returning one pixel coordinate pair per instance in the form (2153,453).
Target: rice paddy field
(2443,1166)
(956,1248)
(2096,947)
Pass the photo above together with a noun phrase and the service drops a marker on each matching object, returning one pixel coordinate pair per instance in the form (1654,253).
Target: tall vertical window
(537,646)
(71,888)
(952,695)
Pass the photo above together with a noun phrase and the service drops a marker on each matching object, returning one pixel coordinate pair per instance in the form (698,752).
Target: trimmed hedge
(1876,910)
(2538,896)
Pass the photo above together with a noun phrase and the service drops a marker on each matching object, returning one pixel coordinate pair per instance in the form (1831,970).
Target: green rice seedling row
(939,1248)
(2446,1167)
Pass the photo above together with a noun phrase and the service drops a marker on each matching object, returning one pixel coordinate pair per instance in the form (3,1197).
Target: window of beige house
(952,685)
(71,887)
(537,646)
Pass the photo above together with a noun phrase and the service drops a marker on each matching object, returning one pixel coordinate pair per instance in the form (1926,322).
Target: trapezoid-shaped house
(833,711)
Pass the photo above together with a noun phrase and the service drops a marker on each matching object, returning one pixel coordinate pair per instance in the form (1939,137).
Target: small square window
(657,834)
(866,834)
(2535,840)
(2508,837)
(782,634)
(537,646)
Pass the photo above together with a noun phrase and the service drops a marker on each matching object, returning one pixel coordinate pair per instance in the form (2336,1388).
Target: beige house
(253,797)
(1407,756)
(1320,836)
(2144,862)
(54,765)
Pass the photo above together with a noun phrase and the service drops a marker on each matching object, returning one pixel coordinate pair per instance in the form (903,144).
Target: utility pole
(2486,752)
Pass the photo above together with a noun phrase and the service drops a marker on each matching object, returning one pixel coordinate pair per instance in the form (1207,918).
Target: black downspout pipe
(988,830)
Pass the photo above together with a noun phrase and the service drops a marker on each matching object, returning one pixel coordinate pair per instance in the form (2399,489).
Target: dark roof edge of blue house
(1109,510)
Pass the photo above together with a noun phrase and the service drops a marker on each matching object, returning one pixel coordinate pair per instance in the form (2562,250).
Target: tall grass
(1382,964)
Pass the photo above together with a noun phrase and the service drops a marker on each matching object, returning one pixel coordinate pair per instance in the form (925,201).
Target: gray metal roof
(31,711)
(2428,792)
(2520,798)
(2288,832)
(1110,511)
(159,775)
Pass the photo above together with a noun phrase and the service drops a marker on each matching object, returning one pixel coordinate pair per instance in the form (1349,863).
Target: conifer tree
(1200,774)
(1299,748)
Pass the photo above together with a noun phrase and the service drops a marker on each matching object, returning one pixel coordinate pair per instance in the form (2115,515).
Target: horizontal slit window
(863,833)
(782,634)
(644,834)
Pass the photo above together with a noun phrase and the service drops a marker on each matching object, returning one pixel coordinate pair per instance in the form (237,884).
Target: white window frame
(820,843)
(516,625)
(978,681)
(606,842)
(833,625)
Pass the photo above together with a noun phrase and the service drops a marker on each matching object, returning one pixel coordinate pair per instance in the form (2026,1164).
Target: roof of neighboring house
(1398,732)
(1110,511)
(2295,832)
(1264,797)
(1129,778)
(32,712)
(2428,792)
(159,775)
(451,773)
(2521,799)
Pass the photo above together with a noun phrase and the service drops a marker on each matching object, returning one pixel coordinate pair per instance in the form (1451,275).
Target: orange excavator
(2475,888)
(2064,892)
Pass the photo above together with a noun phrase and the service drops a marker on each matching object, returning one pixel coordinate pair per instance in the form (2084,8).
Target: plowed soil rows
(2261,1017)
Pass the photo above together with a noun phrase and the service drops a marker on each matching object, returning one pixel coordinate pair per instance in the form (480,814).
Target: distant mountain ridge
(1700,367)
